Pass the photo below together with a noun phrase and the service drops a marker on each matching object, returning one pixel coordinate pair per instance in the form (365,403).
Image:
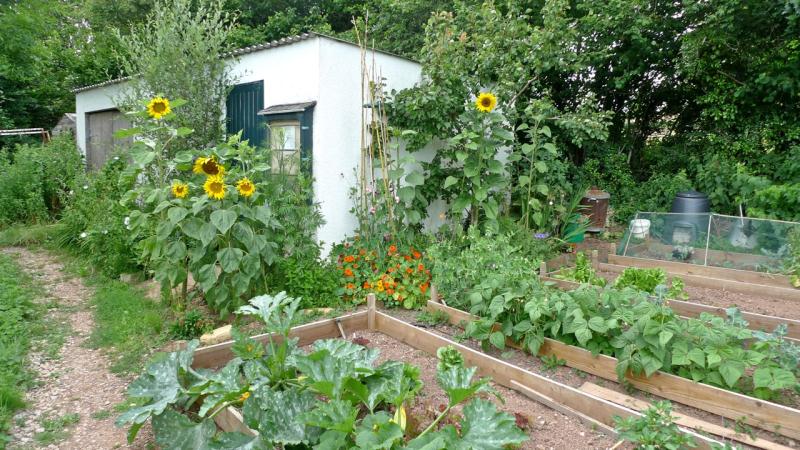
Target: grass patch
(20,323)
(55,428)
(128,325)
(103,414)
(21,235)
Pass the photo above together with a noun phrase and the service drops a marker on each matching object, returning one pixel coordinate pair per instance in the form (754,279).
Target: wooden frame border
(582,405)
(760,413)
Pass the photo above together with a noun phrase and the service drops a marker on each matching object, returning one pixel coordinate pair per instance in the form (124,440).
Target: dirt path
(77,380)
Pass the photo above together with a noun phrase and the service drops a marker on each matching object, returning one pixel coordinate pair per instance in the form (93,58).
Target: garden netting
(710,239)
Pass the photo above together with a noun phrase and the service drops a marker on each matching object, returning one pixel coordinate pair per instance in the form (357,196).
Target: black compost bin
(691,220)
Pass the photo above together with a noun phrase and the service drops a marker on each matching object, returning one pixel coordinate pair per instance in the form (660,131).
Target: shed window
(285,144)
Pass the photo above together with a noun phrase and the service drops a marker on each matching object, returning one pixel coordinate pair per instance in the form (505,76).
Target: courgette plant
(333,397)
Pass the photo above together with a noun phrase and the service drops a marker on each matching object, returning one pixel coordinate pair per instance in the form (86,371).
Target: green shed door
(244,103)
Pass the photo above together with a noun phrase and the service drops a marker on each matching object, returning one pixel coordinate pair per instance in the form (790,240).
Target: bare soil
(77,380)
(575,378)
(547,428)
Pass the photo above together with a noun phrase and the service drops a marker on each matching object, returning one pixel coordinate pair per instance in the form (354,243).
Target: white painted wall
(98,99)
(337,128)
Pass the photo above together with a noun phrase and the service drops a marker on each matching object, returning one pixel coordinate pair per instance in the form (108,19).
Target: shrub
(315,282)
(35,178)
(193,324)
(94,221)
(464,264)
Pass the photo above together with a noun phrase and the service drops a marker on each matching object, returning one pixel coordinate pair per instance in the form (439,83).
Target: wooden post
(371,311)
(543,269)
(595,263)
(434,294)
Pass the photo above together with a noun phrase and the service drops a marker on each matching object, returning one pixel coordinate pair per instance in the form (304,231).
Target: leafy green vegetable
(583,272)
(331,398)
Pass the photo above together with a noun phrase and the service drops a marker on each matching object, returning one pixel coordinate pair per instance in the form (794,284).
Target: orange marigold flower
(423,287)
(390,291)
(348,273)
(362,252)
(391,269)
(351,286)
(349,258)
(420,267)
(392,249)
(366,285)
(417,255)
(407,258)
(409,270)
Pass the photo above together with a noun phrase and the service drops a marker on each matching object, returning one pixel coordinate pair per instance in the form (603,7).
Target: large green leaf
(458,385)
(326,374)
(377,431)
(362,357)
(337,415)
(731,371)
(229,258)
(176,431)
(773,378)
(223,219)
(279,415)
(159,386)
(485,428)
(224,386)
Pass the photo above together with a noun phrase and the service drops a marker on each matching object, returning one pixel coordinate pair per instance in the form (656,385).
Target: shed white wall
(93,100)
(337,128)
(317,69)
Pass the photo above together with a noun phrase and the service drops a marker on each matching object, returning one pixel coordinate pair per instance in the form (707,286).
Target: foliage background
(639,95)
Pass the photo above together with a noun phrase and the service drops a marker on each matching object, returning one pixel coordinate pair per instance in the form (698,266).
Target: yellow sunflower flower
(486,102)
(179,190)
(208,166)
(215,187)
(245,187)
(158,107)
(198,164)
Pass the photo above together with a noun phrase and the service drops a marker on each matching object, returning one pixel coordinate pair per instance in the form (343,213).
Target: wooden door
(101,127)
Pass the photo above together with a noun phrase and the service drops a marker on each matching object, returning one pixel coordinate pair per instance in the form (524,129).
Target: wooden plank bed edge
(681,419)
(513,377)
(218,354)
(760,413)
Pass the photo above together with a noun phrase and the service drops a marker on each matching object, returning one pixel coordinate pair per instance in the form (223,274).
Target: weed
(54,428)
(103,414)
(552,362)
(433,318)
(127,324)
(192,325)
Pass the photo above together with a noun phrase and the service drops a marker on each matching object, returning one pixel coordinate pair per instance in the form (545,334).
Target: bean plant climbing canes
(334,396)
(214,214)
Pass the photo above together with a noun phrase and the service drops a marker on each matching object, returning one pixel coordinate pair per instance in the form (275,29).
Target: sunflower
(215,187)
(158,107)
(198,164)
(179,190)
(245,187)
(208,166)
(486,102)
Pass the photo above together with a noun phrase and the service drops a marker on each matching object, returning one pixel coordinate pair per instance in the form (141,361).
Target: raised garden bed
(594,411)
(715,288)
(769,416)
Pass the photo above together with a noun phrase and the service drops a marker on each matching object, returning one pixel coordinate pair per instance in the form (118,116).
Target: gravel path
(78,380)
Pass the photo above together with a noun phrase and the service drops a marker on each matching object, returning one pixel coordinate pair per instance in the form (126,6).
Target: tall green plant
(179,52)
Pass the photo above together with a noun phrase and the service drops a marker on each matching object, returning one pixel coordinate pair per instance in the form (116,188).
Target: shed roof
(285,109)
(252,49)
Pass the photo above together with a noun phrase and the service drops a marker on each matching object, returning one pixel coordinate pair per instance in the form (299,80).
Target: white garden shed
(308,85)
